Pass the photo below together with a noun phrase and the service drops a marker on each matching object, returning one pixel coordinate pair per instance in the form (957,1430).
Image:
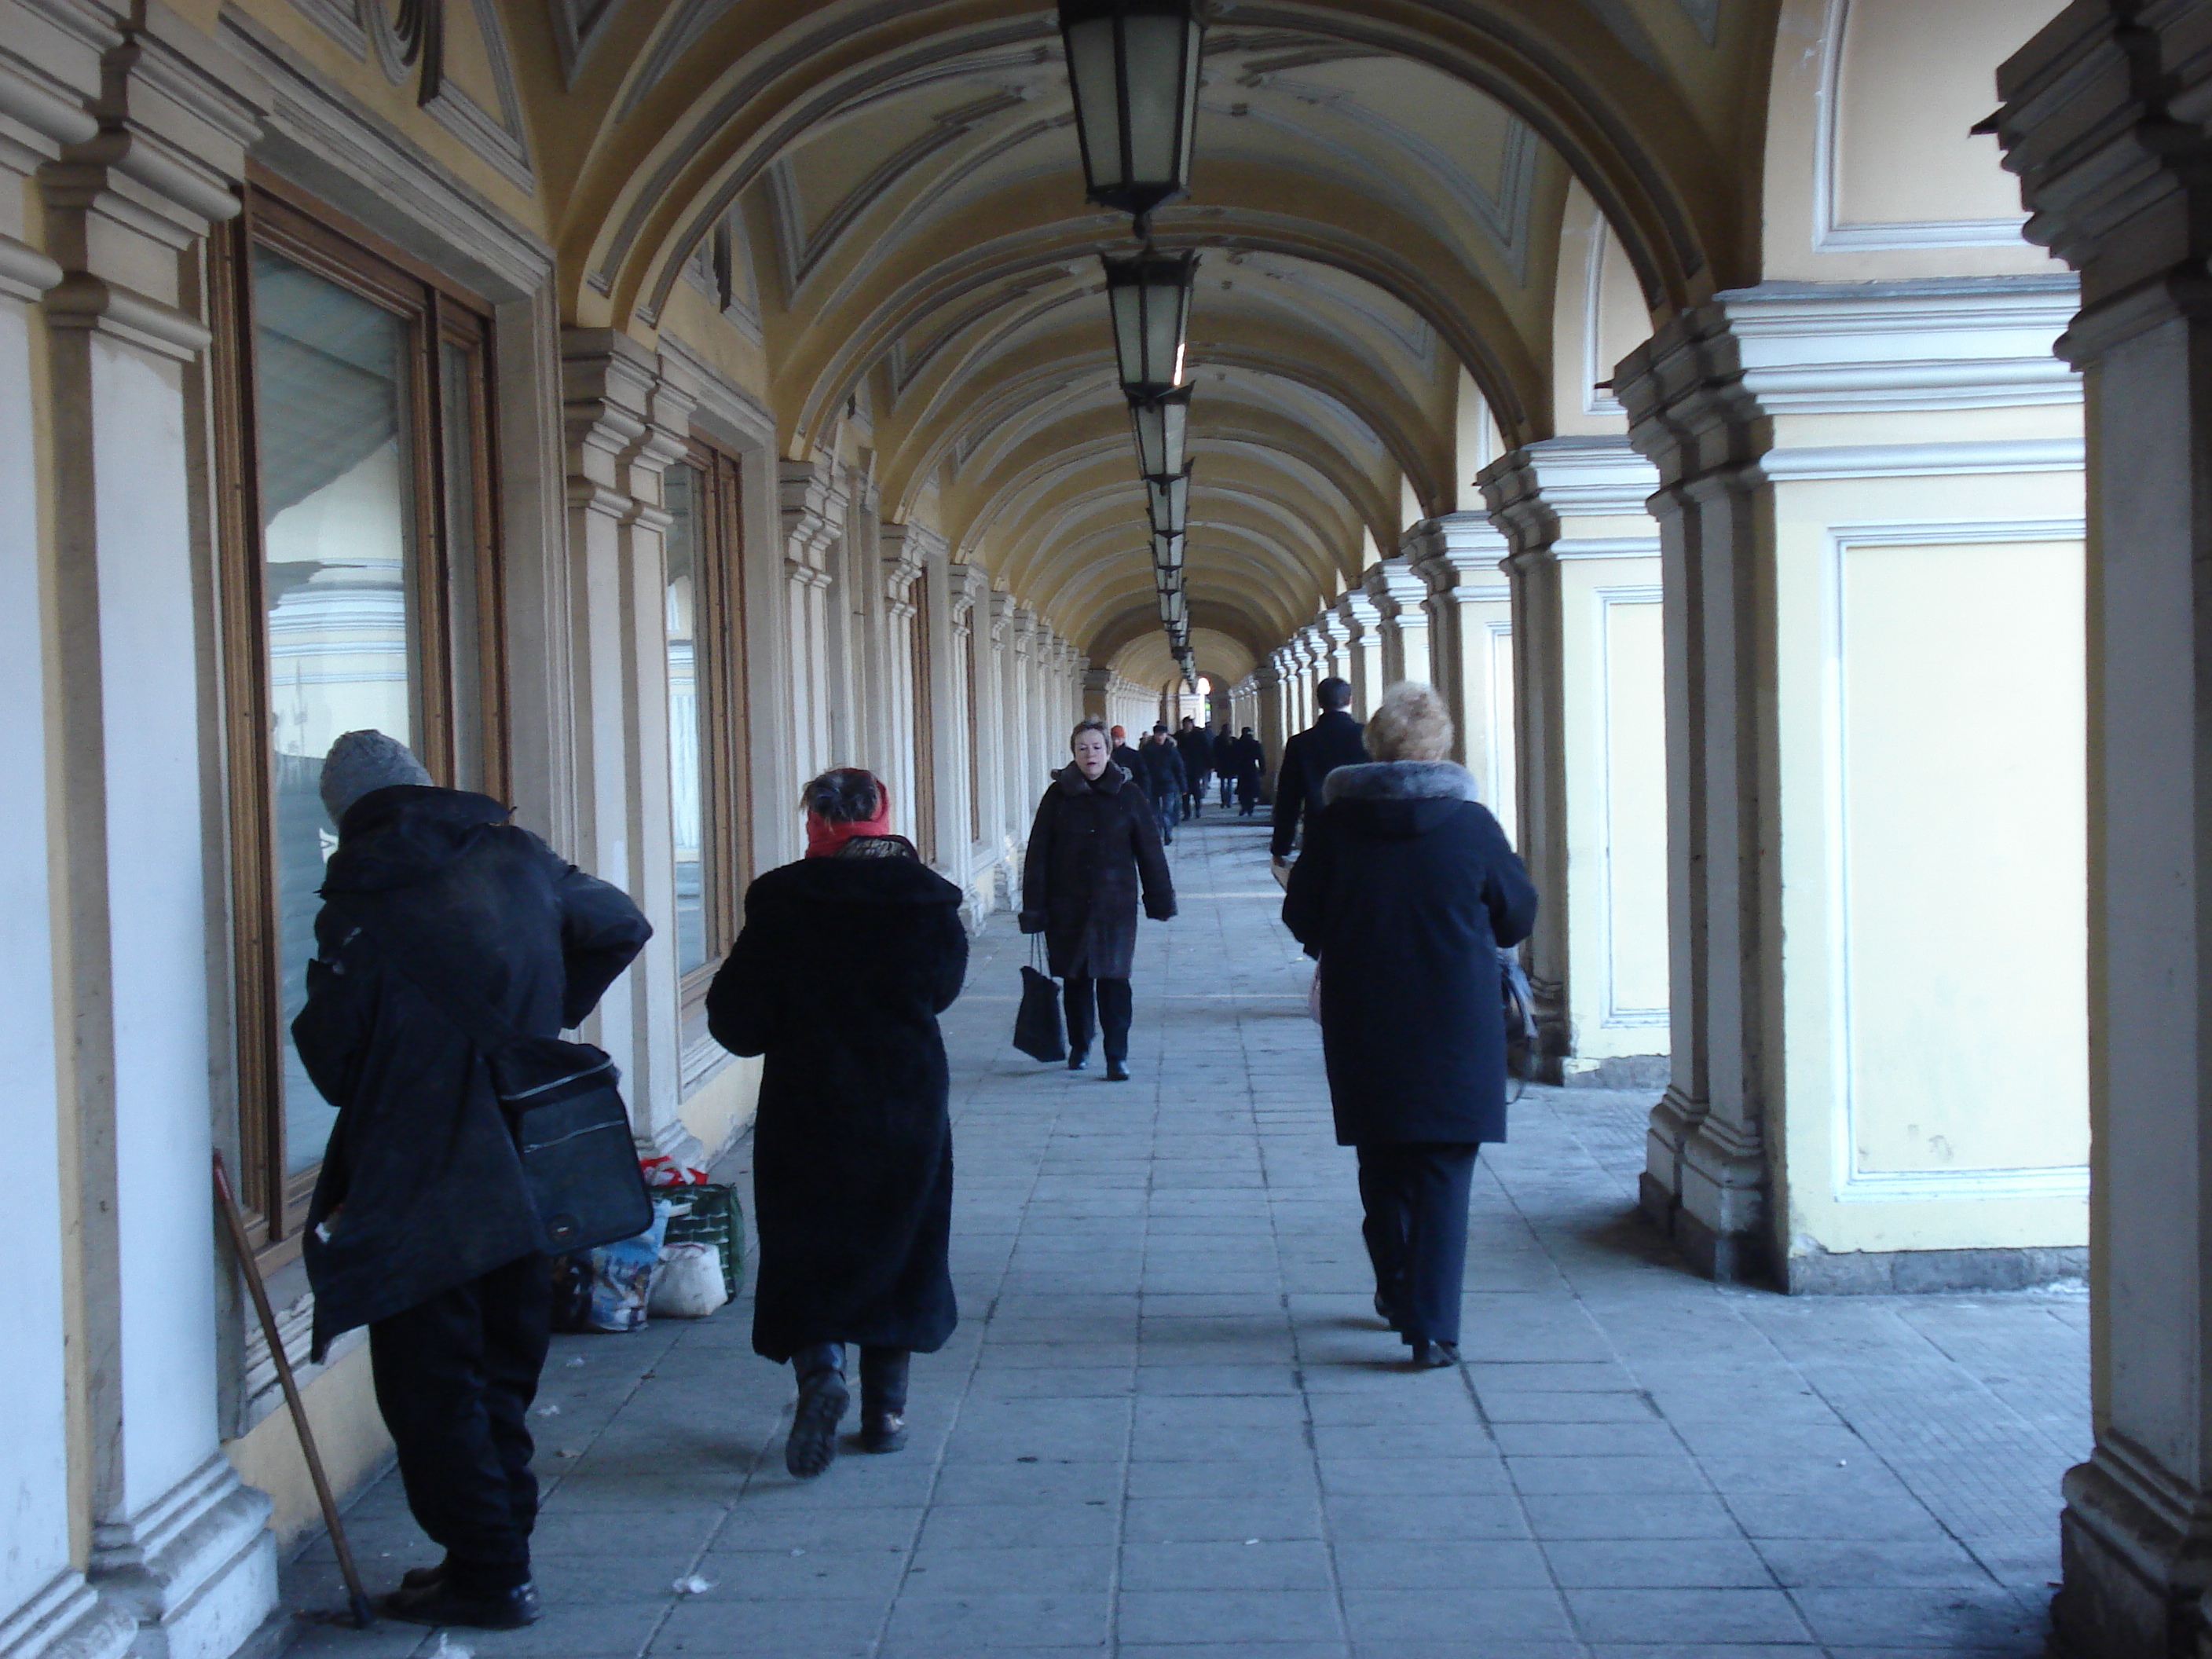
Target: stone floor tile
(950,1625)
(956,1567)
(1212,1520)
(1421,1617)
(1657,1564)
(1686,1615)
(1398,1564)
(1251,1565)
(1606,1476)
(1647,1514)
(1952,1620)
(1831,1563)
(1247,1616)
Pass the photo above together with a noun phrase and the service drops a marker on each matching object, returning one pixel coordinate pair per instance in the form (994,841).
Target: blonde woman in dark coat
(1406,892)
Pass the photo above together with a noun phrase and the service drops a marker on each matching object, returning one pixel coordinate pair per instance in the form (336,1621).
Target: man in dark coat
(421,1226)
(1164,778)
(1128,759)
(1225,763)
(1331,741)
(846,960)
(1092,845)
(1196,748)
(1251,767)
(1406,892)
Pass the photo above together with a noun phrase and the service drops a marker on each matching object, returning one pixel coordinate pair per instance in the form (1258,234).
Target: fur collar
(1071,779)
(1400,781)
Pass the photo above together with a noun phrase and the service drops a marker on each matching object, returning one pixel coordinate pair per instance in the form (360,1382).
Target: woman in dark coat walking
(846,960)
(1406,894)
(1093,844)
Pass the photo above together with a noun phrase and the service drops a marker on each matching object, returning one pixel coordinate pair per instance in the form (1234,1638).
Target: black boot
(883,1398)
(821,1402)
(449,1602)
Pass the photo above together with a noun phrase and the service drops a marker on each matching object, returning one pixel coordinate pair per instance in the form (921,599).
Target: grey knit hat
(362,761)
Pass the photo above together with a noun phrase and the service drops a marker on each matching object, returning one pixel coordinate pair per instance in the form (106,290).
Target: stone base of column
(67,1620)
(1555,1035)
(1705,1192)
(2138,1552)
(196,1569)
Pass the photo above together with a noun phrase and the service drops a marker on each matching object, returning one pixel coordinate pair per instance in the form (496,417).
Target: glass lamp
(1167,554)
(1161,422)
(1134,67)
(1167,503)
(1150,299)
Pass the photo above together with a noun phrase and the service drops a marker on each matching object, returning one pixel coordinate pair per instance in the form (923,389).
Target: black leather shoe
(1382,1312)
(1434,1356)
(883,1431)
(1077,1060)
(422,1578)
(439,1604)
(812,1446)
(1116,1071)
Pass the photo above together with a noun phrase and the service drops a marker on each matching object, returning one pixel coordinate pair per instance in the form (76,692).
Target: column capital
(1397,590)
(1358,613)
(626,411)
(1457,552)
(2106,117)
(1530,490)
(813,505)
(967,584)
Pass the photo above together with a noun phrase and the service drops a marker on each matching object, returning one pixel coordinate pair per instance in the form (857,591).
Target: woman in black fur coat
(846,960)
(1092,845)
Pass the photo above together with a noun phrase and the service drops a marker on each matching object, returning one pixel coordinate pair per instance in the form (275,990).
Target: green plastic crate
(708,1214)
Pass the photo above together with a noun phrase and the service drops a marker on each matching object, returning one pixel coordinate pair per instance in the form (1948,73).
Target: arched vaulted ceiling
(1377,199)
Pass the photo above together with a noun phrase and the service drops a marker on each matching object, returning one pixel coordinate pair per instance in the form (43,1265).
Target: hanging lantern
(1171,608)
(1167,503)
(1161,425)
(1134,67)
(1168,553)
(1150,299)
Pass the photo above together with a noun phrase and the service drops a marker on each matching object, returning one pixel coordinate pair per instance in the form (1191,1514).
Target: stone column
(813,510)
(1470,613)
(901,747)
(1397,594)
(962,802)
(136,127)
(1024,640)
(626,416)
(1851,722)
(46,1604)
(2105,118)
(1277,676)
(1361,654)
(1590,735)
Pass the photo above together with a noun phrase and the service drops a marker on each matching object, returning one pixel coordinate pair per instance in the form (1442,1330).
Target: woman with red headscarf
(845,960)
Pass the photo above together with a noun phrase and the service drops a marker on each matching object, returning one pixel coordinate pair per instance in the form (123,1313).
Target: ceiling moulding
(707,122)
(1505,218)
(363,29)
(578,26)
(319,137)
(1705,16)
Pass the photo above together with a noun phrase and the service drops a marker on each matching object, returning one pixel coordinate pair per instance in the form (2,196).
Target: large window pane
(686,749)
(458,380)
(335,450)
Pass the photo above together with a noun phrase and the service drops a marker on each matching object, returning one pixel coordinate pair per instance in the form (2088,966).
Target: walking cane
(364,1615)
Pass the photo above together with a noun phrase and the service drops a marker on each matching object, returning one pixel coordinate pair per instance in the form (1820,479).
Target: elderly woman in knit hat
(846,960)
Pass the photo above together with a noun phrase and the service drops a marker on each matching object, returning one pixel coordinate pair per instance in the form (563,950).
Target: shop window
(709,812)
(360,591)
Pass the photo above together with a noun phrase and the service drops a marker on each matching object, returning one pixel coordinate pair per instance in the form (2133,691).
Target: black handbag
(1037,1030)
(562,1103)
(1519,1010)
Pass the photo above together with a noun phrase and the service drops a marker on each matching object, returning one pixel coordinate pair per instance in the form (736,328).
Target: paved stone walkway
(1170,1427)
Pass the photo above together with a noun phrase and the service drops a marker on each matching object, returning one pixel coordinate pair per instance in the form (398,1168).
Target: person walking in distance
(1333,740)
(1164,777)
(1128,758)
(1404,893)
(1094,845)
(845,960)
(421,1227)
(1251,767)
(1225,763)
(1197,751)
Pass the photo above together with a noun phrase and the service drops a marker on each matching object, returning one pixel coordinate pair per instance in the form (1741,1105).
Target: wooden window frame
(718,645)
(438,313)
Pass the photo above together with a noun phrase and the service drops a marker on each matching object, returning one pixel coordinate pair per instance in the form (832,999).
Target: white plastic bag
(688,1284)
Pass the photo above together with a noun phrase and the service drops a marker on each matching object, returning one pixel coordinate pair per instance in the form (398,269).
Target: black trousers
(1415,1198)
(1115,1006)
(454,1379)
(1248,796)
(1228,786)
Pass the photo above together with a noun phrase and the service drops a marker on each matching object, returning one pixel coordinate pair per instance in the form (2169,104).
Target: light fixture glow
(1162,424)
(1167,503)
(1150,296)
